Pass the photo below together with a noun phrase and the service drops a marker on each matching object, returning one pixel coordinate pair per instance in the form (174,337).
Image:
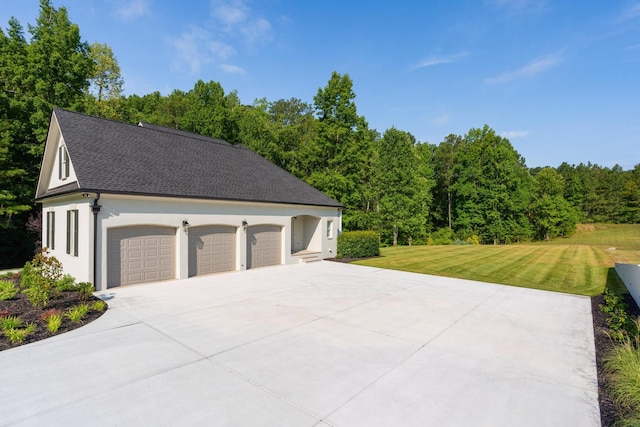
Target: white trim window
(329,229)
(72,232)
(63,163)
(51,230)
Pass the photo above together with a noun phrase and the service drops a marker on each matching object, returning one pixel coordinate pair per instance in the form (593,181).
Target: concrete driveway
(322,344)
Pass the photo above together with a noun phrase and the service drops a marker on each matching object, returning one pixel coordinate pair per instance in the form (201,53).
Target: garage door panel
(140,254)
(212,249)
(264,245)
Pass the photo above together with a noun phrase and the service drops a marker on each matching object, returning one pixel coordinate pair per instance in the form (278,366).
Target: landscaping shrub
(358,244)
(40,277)
(8,290)
(10,322)
(66,283)
(53,322)
(622,365)
(444,236)
(18,335)
(98,305)
(620,324)
(86,290)
(77,313)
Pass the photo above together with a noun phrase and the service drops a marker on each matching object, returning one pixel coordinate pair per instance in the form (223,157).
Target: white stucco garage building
(125,204)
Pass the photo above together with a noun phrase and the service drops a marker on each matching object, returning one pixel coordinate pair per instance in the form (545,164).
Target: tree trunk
(395,235)
(449,207)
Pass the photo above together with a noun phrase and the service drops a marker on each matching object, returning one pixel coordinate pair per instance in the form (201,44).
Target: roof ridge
(193,135)
(159,128)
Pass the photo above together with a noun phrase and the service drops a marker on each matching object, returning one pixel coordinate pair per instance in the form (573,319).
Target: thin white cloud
(432,60)
(517,6)
(230,13)
(535,67)
(257,30)
(233,23)
(197,48)
(515,134)
(238,20)
(630,13)
(231,69)
(132,9)
(441,120)
(221,50)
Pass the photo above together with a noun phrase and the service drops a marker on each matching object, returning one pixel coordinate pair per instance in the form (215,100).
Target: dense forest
(472,188)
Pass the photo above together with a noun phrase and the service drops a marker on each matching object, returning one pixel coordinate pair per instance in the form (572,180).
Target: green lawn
(582,264)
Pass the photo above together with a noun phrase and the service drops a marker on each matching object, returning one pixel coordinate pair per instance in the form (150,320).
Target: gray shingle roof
(115,157)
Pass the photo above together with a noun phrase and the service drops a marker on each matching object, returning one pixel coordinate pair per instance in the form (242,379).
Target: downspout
(95,208)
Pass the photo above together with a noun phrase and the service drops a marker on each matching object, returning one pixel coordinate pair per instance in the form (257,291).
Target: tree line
(468,188)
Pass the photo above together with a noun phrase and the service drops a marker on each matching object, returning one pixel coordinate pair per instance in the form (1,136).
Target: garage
(140,254)
(212,249)
(264,245)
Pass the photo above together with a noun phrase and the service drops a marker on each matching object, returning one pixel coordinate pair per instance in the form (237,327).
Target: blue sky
(560,79)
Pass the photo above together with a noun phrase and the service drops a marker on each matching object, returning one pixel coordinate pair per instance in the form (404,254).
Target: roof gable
(57,173)
(115,157)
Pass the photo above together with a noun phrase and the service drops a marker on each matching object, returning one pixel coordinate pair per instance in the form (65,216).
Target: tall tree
(491,189)
(208,111)
(551,215)
(295,133)
(52,69)
(444,159)
(342,155)
(400,189)
(630,210)
(105,92)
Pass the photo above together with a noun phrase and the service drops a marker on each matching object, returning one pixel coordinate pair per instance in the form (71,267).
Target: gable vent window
(51,230)
(63,163)
(72,232)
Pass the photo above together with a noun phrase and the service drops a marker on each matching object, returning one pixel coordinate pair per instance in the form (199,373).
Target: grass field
(581,264)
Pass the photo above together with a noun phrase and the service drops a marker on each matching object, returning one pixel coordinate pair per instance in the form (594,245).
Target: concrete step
(306,259)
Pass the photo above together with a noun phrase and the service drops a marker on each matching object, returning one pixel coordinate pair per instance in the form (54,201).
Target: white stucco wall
(80,267)
(54,179)
(630,276)
(121,211)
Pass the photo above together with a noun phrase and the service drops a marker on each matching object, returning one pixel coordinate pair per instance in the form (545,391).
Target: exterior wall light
(245,224)
(185,226)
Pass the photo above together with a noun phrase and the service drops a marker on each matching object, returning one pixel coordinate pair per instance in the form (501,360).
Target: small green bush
(77,313)
(622,366)
(620,324)
(8,290)
(443,236)
(98,305)
(66,283)
(85,289)
(39,277)
(18,335)
(10,322)
(27,276)
(358,244)
(53,322)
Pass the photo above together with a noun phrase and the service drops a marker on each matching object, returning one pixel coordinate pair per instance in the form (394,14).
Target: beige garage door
(212,249)
(264,245)
(140,254)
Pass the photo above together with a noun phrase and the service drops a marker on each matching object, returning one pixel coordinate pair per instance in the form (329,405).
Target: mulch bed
(608,412)
(20,306)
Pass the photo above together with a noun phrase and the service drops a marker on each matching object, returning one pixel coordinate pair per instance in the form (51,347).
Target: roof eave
(50,195)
